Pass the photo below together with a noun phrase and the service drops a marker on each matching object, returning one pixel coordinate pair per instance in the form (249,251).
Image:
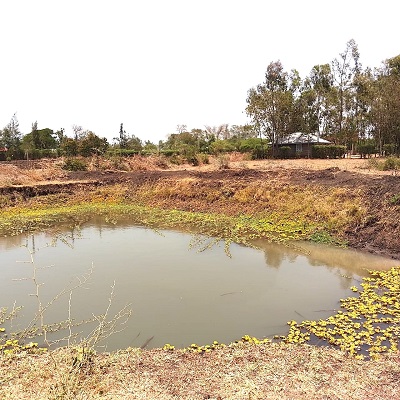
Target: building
(300,143)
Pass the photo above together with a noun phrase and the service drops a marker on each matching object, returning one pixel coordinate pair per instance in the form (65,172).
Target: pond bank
(360,210)
(325,205)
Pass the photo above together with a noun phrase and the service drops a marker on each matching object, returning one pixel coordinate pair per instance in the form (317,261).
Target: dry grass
(31,172)
(13,175)
(134,163)
(362,166)
(240,371)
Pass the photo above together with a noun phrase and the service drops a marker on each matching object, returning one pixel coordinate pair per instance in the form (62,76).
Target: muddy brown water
(180,293)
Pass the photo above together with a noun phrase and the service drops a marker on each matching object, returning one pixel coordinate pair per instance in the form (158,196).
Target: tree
(69,147)
(181,128)
(123,137)
(385,104)
(60,135)
(270,104)
(39,139)
(91,144)
(134,143)
(220,132)
(77,129)
(344,70)
(319,91)
(10,137)
(242,131)
(150,147)
(35,135)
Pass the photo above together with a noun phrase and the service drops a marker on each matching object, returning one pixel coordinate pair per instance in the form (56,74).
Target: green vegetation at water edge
(239,229)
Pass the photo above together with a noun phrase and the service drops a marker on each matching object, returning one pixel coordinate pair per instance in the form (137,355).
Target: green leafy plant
(395,199)
(74,164)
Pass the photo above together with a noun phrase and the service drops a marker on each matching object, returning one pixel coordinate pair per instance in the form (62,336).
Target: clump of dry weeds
(31,173)
(133,163)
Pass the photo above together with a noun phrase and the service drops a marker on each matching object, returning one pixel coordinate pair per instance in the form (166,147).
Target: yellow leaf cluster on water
(14,346)
(367,325)
(194,348)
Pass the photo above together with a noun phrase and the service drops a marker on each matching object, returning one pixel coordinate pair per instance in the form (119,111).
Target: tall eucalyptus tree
(345,68)
(269,105)
(385,105)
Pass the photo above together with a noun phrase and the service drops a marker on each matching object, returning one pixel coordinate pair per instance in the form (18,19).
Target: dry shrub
(14,175)
(146,163)
(133,163)
(236,156)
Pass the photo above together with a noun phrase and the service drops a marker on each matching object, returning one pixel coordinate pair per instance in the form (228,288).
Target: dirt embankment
(379,193)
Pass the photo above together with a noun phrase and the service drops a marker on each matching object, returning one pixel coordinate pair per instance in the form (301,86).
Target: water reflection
(183,288)
(353,261)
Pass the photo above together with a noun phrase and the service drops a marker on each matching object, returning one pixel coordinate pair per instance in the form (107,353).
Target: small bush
(223,161)
(395,199)
(373,163)
(202,158)
(254,146)
(391,163)
(221,146)
(74,164)
(177,159)
(285,152)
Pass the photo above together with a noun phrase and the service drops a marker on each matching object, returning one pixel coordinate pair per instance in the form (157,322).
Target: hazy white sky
(154,64)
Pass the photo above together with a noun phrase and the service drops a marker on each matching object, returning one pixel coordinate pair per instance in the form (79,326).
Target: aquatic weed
(366,325)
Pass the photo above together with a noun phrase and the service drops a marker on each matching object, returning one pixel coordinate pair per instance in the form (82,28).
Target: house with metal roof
(300,143)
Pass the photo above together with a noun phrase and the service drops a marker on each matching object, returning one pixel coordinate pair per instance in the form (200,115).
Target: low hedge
(328,151)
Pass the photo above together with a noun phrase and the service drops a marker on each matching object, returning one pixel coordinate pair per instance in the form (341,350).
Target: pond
(182,288)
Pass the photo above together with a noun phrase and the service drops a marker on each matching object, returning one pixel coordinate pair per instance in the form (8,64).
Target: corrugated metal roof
(300,137)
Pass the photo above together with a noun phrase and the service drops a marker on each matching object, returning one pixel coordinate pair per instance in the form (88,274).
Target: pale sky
(154,64)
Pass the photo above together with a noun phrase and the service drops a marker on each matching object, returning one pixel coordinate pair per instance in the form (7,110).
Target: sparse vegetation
(390,163)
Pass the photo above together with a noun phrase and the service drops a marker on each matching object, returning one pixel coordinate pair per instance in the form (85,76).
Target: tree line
(40,143)
(349,105)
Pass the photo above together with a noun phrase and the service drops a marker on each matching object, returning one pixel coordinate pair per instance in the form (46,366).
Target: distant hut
(300,143)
